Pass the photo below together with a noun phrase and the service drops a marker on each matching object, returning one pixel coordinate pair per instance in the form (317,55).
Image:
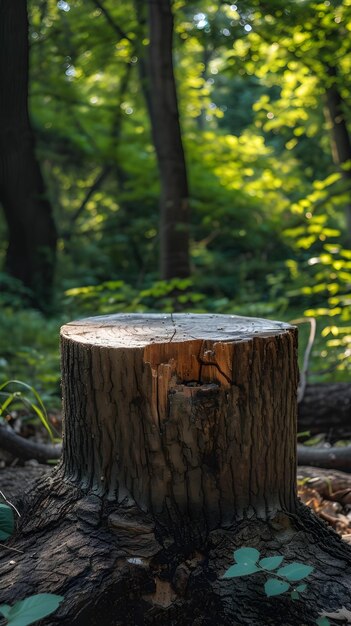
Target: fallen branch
(330,458)
(26,449)
(325,408)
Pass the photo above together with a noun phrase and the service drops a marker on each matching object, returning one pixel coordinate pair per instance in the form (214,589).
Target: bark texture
(163,103)
(31,229)
(179,447)
(207,399)
(325,408)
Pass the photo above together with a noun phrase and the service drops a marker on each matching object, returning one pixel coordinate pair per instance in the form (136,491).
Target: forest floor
(328,493)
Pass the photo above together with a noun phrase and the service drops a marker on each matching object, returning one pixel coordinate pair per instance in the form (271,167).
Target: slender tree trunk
(31,229)
(174,200)
(341,141)
(179,448)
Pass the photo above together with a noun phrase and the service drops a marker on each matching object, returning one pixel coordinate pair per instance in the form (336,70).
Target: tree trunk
(341,142)
(31,229)
(179,447)
(174,200)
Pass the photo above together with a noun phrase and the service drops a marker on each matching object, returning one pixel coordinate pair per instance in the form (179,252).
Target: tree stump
(179,447)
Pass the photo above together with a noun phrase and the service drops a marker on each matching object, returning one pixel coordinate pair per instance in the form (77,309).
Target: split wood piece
(191,416)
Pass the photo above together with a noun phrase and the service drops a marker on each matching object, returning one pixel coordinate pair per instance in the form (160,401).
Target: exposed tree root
(116,566)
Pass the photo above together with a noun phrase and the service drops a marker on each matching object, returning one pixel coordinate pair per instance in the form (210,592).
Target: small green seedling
(247,562)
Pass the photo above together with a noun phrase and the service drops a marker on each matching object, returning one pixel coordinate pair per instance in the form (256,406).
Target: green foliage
(267,199)
(295,571)
(275,587)
(29,351)
(246,559)
(31,609)
(17,398)
(247,563)
(7,522)
(271,562)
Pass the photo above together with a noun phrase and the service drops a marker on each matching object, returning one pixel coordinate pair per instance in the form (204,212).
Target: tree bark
(325,408)
(184,392)
(341,141)
(31,229)
(179,447)
(164,114)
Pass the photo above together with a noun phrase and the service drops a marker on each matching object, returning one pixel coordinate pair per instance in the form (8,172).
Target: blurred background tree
(237,175)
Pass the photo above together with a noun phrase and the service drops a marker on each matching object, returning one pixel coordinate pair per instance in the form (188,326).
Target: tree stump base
(179,448)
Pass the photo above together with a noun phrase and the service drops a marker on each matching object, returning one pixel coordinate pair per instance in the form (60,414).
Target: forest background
(263,90)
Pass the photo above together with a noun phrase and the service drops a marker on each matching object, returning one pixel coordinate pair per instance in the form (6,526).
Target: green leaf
(294,595)
(301,587)
(241,569)
(40,410)
(270,562)
(295,571)
(32,609)
(274,587)
(5,609)
(7,521)
(246,555)
(322,621)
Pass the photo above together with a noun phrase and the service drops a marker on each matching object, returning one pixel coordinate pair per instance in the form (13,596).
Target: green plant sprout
(247,562)
(31,609)
(18,396)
